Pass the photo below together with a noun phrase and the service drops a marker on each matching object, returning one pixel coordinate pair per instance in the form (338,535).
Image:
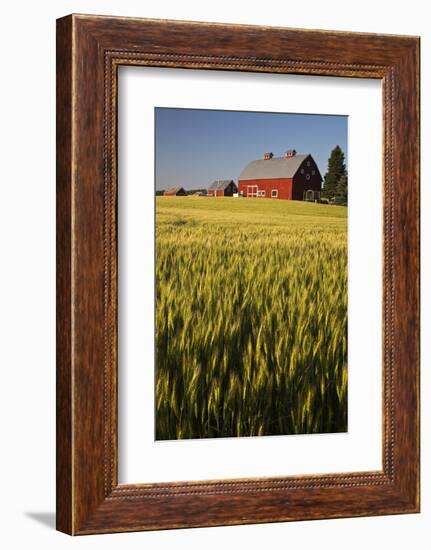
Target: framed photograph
(237,274)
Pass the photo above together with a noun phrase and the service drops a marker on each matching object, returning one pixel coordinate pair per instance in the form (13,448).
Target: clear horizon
(194,147)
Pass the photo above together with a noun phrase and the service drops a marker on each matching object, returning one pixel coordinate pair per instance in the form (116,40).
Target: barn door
(251,190)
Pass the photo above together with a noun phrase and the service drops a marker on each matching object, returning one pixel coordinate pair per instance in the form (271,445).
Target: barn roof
(173,190)
(219,185)
(276,167)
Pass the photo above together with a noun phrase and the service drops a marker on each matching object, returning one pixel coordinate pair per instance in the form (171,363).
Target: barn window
(307,177)
(302,170)
(274,193)
(313,172)
(308,163)
(263,193)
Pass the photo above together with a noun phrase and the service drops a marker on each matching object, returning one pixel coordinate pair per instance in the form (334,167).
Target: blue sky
(194,147)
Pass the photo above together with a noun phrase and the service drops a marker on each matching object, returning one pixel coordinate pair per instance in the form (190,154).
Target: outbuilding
(288,177)
(175,192)
(222,188)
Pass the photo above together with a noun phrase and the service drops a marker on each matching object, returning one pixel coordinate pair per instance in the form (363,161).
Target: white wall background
(27,289)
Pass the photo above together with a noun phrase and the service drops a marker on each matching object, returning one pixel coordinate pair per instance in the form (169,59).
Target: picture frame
(89,51)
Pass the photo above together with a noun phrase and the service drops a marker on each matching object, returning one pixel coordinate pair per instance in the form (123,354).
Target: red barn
(288,177)
(175,192)
(222,188)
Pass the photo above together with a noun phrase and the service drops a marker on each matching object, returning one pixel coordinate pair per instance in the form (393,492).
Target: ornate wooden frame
(89,51)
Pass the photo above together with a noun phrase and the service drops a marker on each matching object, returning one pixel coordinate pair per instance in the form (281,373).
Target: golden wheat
(251,317)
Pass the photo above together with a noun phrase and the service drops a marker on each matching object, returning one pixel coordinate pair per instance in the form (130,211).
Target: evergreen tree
(336,170)
(341,190)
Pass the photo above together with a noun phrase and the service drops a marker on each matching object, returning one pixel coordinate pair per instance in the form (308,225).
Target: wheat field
(251,317)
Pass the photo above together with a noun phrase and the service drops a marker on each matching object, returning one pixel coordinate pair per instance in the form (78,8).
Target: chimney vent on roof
(290,153)
(268,156)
